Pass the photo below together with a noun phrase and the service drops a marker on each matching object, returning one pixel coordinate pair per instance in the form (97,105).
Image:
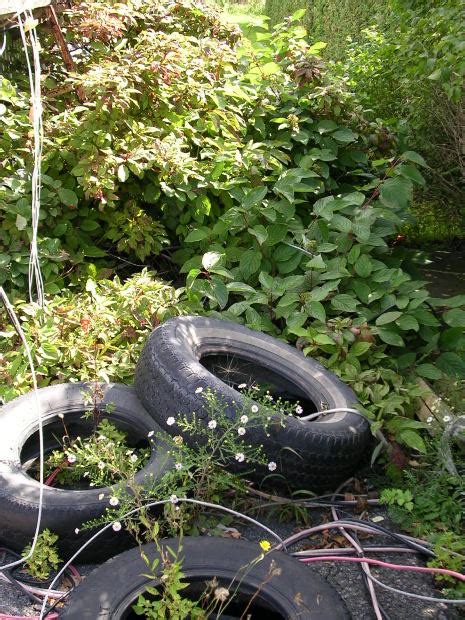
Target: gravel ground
(346,579)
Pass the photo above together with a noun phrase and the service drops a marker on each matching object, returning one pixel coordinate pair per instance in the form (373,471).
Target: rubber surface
(322,453)
(297,592)
(63,510)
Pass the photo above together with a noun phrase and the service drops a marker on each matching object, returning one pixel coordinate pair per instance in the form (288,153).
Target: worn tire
(296,593)
(322,453)
(63,510)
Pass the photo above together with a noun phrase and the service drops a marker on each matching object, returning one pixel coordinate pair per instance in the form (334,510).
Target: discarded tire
(282,588)
(190,352)
(63,510)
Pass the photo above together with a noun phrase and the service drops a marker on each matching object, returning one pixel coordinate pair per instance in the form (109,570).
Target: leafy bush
(96,334)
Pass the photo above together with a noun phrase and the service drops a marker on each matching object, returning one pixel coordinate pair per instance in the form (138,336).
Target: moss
(433,221)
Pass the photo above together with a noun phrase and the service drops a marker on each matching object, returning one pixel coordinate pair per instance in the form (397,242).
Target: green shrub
(88,336)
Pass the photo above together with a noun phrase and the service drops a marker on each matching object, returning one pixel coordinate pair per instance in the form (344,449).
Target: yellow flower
(265,545)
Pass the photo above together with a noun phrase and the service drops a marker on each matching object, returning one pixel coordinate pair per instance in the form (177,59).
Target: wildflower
(241,386)
(101,465)
(212,424)
(133,458)
(116,526)
(221,594)
(76,531)
(240,457)
(299,410)
(272,465)
(446,418)
(114,501)
(429,419)
(178,440)
(174,499)
(199,390)
(101,496)
(170,421)
(265,545)
(244,419)
(72,458)
(254,408)
(178,466)
(150,433)
(241,430)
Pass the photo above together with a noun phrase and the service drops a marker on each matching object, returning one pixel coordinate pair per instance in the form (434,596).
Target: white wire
(422,597)
(151,505)
(17,325)
(35,275)
(312,416)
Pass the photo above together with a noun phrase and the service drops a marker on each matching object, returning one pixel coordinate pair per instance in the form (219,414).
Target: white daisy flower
(272,465)
(178,466)
(212,424)
(241,430)
(240,457)
(299,410)
(174,499)
(76,531)
(116,526)
(244,419)
(170,421)
(199,390)
(429,419)
(446,418)
(101,465)
(150,433)
(72,458)
(133,458)
(241,386)
(254,409)
(114,501)
(101,496)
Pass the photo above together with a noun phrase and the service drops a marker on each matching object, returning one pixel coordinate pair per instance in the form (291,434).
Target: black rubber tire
(296,593)
(322,453)
(63,510)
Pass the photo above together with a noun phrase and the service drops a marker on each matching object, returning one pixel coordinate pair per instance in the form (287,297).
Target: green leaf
(323,339)
(344,302)
(412,439)
(415,157)
(123,173)
(250,263)
(259,232)
(388,317)
(270,68)
(396,193)
(359,348)
(239,287)
(344,135)
(428,371)
(316,263)
(276,233)
(410,172)
(89,225)
(363,266)
(452,364)
(220,291)
(341,223)
(67,197)
(455,317)
(254,196)
(316,310)
(197,235)
(407,322)
(390,337)
(21,222)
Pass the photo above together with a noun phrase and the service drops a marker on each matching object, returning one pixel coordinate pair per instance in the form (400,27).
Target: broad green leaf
(276,233)
(316,310)
(197,235)
(220,291)
(415,157)
(239,287)
(344,135)
(359,348)
(89,225)
(390,337)
(407,322)
(21,222)
(455,317)
(452,364)
(363,266)
(344,302)
(413,440)
(396,193)
(316,263)
(250,263)
(67,197)
(323,339)
(254,196)
(428,371)
(388,317)
(259,232)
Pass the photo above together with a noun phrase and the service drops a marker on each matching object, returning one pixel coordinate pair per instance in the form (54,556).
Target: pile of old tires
(180,356)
